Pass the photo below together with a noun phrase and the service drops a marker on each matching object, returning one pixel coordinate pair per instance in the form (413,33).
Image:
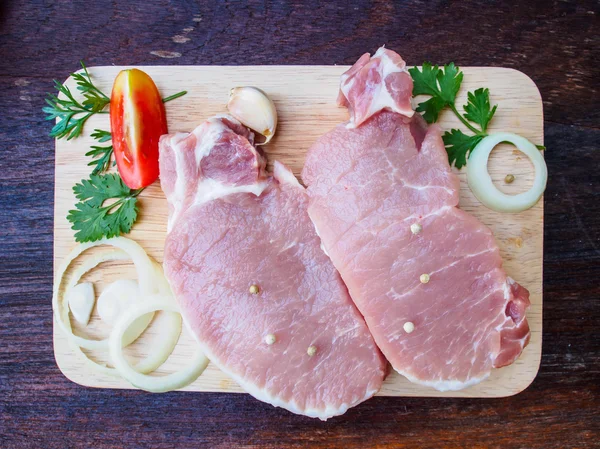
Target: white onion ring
(146,277)
(172,320)
(153,384)
(77,274)
(481,183)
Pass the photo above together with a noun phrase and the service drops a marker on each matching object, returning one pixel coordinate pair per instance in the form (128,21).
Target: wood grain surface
(557,44)
(305,99)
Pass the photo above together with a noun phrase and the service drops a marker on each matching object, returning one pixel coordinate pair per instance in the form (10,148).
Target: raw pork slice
(298,341)
(426,276)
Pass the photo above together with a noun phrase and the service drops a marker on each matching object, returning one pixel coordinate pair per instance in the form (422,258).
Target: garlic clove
(254,109)
(81,302)
(115,300)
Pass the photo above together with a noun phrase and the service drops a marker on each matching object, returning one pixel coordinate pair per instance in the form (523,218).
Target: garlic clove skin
(254,109)
(81,300)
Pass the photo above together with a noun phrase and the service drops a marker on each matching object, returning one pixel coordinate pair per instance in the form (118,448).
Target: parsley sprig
(442,85)
(71,114)
(102,155)
(91,218)
(95,216)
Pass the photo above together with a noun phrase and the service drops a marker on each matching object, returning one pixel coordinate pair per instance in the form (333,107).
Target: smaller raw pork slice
(245,263)
(374,84)
(426,275)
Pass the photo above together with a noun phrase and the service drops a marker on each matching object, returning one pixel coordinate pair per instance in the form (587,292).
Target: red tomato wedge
(137,120)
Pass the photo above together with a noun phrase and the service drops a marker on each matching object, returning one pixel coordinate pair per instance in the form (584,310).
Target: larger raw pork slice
(245,264)
(426,276)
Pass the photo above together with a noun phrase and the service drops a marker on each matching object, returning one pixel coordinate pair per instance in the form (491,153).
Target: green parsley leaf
(425,80)
(441,84)
(99,188)
(102,157)
(92,219)
(94,99)
(101,136)
(478,109)
(459,146)
(70,113)
(449,80)
(431,109)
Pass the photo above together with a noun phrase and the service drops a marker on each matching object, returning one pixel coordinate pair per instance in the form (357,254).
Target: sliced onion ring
(481,183)
(146,277)
(171,320)
(153,384)
(64,312)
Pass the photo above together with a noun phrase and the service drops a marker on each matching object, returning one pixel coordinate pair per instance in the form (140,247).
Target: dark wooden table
(555,43)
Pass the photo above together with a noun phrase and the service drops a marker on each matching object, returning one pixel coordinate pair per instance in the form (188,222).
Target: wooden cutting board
(305,98)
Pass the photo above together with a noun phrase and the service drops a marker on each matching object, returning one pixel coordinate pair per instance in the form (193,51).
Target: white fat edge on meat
(208,189)
(445,385)
(179,193)
(382,98)
(285,176)
(320,239)
(264,395)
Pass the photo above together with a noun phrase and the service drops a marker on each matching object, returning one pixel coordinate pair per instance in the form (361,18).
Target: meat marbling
(232,226)
(369,181)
